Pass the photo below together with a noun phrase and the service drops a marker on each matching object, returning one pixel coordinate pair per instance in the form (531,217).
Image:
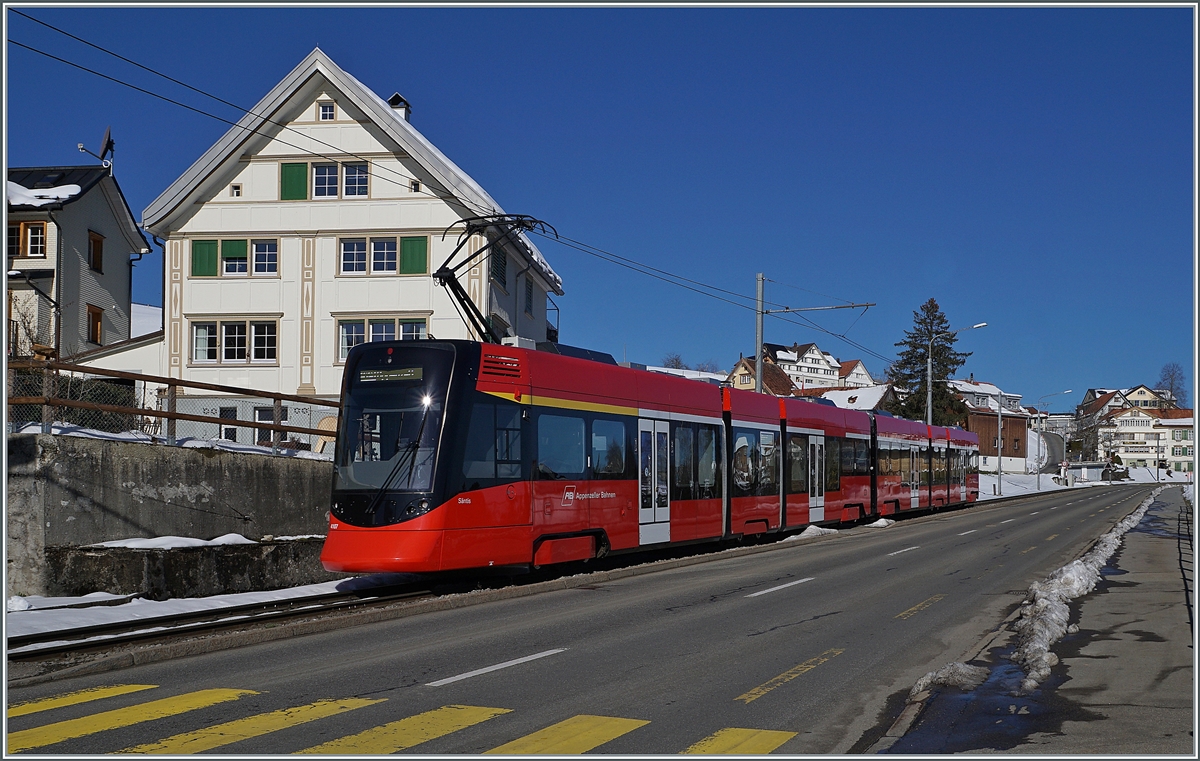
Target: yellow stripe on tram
(578,734)
(120,717)
(251,726)
(75,698)
(399,735)
(740,742)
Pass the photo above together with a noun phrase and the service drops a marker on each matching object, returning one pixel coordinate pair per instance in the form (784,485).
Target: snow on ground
(67,429)
(171,542)
(1022,483)
(46,614)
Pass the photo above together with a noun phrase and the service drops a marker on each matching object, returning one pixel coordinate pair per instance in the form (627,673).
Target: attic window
(415,186)
(326,112)
(235,190)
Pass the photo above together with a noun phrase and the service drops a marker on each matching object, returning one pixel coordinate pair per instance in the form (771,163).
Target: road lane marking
(75,698)
(789,675)
(251,726)
(120,717)
(972,531)
(1051,537)
(1010,520)
(497,667)
(576,735)
(781,586)
(742,742)
(1035,512)
(405,733)
(906,549)
(1031,549)
(914,610)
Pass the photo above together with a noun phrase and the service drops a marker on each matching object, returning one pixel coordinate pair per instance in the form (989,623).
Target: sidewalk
(1124,683)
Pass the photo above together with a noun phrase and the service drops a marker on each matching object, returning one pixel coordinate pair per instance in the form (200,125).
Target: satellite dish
(106,143)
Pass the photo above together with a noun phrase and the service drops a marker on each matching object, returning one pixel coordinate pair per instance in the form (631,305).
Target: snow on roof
(144,319)
(866,398)
(974,387)
(19,195)
(788,356)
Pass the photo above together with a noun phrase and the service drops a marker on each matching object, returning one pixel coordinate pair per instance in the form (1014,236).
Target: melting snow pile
(172,542)
(1045,613)
(954,674)
(881,523)
(816,531)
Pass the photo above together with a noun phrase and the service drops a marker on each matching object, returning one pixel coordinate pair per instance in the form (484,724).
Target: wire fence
(55,397)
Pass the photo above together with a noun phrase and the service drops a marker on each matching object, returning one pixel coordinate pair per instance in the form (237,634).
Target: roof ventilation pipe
(399,105)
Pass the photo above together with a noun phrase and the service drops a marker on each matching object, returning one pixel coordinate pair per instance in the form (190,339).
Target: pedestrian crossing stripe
(576,735)
(405,733)
(251,726)
(75,698)
(740,742)
(120,717)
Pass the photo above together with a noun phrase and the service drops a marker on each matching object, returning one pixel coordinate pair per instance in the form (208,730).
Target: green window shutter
(233,249)
(293,182)
(204,258)
(414,256)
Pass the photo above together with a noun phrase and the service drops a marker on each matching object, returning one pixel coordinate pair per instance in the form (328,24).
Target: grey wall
(67,490)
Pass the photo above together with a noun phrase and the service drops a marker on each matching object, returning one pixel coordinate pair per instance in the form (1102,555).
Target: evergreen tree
(909,371)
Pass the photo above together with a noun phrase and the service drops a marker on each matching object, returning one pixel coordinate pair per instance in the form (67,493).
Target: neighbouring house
(314,225)
(72,242)
(809,367)
(1099,403)
(775,380)
(990,410)
(1149,437)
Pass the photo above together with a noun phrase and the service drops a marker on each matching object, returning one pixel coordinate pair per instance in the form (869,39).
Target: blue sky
(1027,167)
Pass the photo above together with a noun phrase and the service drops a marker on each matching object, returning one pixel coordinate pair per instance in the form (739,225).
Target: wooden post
(171,408)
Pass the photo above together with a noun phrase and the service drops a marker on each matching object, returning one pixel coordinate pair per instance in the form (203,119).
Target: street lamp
(1042,429)
(929,369)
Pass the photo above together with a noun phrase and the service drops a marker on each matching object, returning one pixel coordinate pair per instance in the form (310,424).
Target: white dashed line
(906,549)
(497,667)
(1010,520)
(972,531)
(781,586)
(1035,512)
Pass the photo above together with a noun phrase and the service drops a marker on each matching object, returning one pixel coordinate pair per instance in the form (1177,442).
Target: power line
(689,284)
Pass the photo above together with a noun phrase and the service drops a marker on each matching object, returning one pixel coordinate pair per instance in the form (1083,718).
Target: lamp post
(1042,430)
(929,368)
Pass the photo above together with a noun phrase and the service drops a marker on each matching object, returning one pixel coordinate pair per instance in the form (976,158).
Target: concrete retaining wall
(70,491)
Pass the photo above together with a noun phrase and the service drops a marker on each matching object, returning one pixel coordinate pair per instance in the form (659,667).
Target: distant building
(775,380)
(71,233)
(809,367)
(984,414)
(1149,437)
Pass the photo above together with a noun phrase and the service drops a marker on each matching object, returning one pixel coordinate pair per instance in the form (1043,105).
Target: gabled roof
(848,366)
(1100,403)
(310,74)
(775,380)
(52,178)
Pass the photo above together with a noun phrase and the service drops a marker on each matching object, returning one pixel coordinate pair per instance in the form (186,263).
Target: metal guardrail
(53,392)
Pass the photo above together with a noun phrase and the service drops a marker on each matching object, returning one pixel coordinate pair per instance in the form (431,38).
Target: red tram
(457,455)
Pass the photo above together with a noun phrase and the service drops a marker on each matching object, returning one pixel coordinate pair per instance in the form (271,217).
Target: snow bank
(173,542)
(816,531)
(954,674)
(1045,613)
(67,429)
(881,523)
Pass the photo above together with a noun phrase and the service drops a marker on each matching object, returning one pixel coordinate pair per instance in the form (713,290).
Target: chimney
(400,105)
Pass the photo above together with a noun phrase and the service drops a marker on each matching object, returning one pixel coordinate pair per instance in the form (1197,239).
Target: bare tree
(674,360)
(709,366)
(1173,379)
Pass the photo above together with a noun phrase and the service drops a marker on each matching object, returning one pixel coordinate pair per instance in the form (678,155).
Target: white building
(1144,437)
(313,225)
(809,367)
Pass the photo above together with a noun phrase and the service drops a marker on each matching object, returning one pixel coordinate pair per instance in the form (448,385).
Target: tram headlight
(427,400)
(423,504)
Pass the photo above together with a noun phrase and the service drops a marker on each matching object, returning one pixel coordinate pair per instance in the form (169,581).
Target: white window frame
(253,255)
(366,186)
(321,106)
(342,257)
(218,326)
(337,181)
(368,320)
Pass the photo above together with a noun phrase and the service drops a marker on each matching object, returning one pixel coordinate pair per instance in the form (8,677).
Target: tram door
(816,478)
(654,508)
(914,475)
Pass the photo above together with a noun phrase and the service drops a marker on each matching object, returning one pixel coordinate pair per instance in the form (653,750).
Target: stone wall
(72,491)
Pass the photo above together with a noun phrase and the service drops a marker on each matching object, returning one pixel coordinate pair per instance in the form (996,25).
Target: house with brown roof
(775,380)
(1149,437)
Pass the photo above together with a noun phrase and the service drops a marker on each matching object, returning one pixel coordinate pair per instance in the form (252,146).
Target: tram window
(833,462)
(560,447)
(608,449)
(862,458)
(493,447)
(768,464)
(708,472)
(797,463)
(683,452)
(926,466)
(884,460)
(973,464)
(745,456)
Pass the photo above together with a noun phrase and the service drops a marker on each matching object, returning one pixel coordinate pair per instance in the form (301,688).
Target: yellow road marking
(1031,549)
(1051,537)
(74,698)
(789,675)
(405,733)
(251,726)
(914,610)
(742,742)
(120,717)
(576,735)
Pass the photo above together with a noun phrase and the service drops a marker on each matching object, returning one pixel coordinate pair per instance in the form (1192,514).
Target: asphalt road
(796,650)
